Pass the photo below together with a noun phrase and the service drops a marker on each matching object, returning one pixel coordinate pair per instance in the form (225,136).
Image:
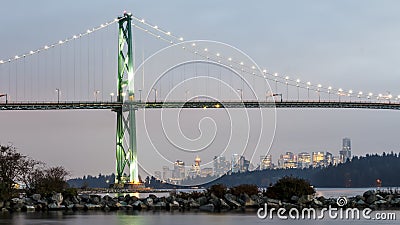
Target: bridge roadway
(195,104)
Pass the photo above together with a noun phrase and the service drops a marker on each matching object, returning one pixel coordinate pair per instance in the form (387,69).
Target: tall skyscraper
(345,153)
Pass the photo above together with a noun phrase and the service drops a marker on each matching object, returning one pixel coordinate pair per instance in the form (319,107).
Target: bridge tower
(126,121)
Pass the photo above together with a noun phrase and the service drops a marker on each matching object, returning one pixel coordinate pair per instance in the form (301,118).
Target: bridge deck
(203,104)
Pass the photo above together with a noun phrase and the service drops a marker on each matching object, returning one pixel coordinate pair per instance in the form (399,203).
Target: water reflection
(157,218)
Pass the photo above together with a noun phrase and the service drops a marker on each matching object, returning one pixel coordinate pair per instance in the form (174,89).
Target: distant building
(206,172)
(235,163)
(288,160)
(329,159)
(179,170)
(221,165)
(166,173)
(318,159)
(345,153)
(303,160)
(195,170)
(335,160)
(158,175)
(244,164)
(266,162)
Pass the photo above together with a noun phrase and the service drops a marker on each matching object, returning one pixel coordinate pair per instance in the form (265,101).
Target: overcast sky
(347,44)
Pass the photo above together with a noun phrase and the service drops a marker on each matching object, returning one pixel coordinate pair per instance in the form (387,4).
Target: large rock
(57,198)
(250,203)
(379,197)
(149,202)
(360,203)
(208,208)
(78,207)
(28,208)
(288,206)
(231,201)
(305,199)
(95,199)
(273,202)
(194,205)
(36,197)
(395,202)
(317,202)
(55,206)
(137,205)
(202,200)
(224,205)
(371,199)
(160,205)
(174,205)
(380,202)
(294,199)
(368,193)
(92,207)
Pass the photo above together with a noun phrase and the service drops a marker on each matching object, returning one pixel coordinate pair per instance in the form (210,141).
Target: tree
(48,180)
(14,168)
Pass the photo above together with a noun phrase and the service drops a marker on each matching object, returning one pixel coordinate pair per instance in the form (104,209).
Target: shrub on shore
(287,187)
(249,189)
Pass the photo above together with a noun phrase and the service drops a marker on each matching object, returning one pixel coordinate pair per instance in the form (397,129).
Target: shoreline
(196,201)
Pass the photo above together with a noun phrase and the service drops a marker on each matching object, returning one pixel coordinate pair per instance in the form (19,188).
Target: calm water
(161,218)
(176,217)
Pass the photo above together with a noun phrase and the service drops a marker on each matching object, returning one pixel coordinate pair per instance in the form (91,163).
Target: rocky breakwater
(196,201)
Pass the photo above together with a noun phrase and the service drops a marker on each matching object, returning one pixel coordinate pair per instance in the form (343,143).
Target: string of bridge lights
(60,42)
(216,57)
(253,70)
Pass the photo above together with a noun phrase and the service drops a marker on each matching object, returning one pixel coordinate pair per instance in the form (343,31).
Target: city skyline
(285,45)
(236,163)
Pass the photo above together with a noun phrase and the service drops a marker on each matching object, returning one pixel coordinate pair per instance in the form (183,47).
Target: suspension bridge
(75,74)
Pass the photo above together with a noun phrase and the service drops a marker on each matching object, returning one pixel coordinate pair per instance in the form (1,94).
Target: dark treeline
(368,171)
(100,181)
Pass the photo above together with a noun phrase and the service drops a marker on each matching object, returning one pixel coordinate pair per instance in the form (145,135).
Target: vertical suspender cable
(16,80)
(24,78)
(94,66)
(60,80)
(88,71)
(74,65)
(38,77)
(9,78)
(102,65)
